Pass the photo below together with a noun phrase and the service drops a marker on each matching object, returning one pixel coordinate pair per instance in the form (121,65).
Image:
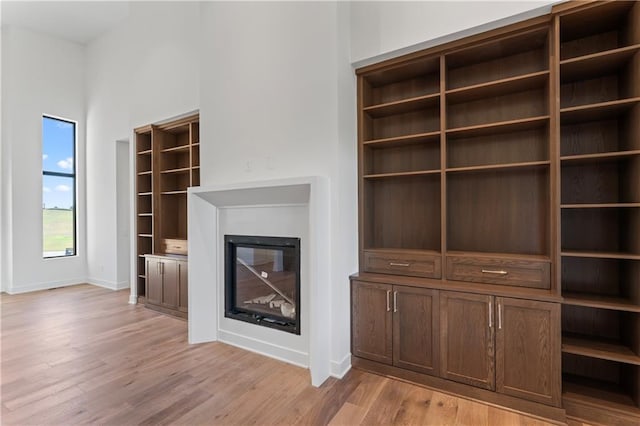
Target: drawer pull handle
(399,264)
(491,271)
(388,300)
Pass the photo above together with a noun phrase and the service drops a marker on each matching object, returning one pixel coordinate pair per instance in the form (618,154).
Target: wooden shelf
(498,87)
(401,174)
(600,255)
(595,64)
(145,152)
(580,345)
(498,127)
(597,111)
(402,106)
(599,156)
(405,72)
(600,302)
(195,167)
(145,193)
(180,170)
(595,393)
(528,164)
(408,139)
(145,214)
(600,206)
(142,276)
(174,192)
(146,172)
(145,235)
(180,148)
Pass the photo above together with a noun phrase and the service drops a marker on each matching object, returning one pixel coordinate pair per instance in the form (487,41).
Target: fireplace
(262,281)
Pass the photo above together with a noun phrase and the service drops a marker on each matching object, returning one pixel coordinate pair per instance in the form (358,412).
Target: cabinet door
(415,329)
(466,339)
(528,350)
(154,281)
(371,321)
(169,271)
(183,293)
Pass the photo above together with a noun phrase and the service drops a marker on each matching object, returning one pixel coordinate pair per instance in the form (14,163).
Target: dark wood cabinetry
(467,339)
(500,174)
(371,321)
(396,325)
(167,163)
(166,279)
(527,344)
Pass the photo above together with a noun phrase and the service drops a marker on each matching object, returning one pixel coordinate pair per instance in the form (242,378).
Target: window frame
(73,176)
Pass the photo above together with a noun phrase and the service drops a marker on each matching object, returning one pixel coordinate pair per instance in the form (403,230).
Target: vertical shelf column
(599,100)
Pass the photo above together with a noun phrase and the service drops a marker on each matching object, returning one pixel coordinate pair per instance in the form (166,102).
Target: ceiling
(77,21)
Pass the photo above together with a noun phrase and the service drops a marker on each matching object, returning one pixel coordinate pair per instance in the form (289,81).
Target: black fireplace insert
(262,281)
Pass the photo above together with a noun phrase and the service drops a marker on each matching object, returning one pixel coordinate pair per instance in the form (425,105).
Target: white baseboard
(45,286)
(280,353)
(111,285)
(133,300)
(340,368)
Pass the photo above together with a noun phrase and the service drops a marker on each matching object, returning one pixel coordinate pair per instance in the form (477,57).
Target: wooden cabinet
(501,344)
(415,329)
(167,164)
(467,339)
(166,279)
(371,321)
(527,341)
(395,325)
(503,170)
(183,288)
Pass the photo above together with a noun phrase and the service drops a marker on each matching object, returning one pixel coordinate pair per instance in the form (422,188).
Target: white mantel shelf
(205,205)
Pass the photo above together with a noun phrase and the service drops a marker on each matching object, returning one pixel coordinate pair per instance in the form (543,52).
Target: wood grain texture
(371,321)
(82,355)
(527,350)
(415,329)
(467,328)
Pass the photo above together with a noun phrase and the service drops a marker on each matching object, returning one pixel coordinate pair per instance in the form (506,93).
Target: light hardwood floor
(82,355)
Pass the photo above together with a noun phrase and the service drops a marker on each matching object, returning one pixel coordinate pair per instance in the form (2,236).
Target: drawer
(414,264)
(512,272)
(173,246)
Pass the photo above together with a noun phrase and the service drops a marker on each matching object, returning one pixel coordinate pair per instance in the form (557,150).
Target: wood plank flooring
(82,355)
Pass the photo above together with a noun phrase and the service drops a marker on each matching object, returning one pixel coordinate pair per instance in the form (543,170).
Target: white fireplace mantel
(206,206)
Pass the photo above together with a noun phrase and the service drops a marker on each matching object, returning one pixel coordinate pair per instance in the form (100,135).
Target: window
(58,187)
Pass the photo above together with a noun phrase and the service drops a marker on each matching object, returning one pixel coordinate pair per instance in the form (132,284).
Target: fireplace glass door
(262,281)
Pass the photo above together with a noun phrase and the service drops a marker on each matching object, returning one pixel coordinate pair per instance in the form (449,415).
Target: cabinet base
(543,412)
(167,311)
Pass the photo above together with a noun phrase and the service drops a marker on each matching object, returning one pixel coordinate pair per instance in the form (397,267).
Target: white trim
(261,347)
(204,203)
(133,300)
(45,286)
(340,368)
(108,284)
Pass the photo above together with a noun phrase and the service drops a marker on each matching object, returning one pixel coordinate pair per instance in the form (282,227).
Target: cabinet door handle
(490,314)
(494,272)
(406,265)
(499,316)
(388,300)
(395,301)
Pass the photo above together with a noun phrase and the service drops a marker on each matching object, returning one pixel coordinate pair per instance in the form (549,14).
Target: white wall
(380,27)
(278,101)
(41,75)
(145,71)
